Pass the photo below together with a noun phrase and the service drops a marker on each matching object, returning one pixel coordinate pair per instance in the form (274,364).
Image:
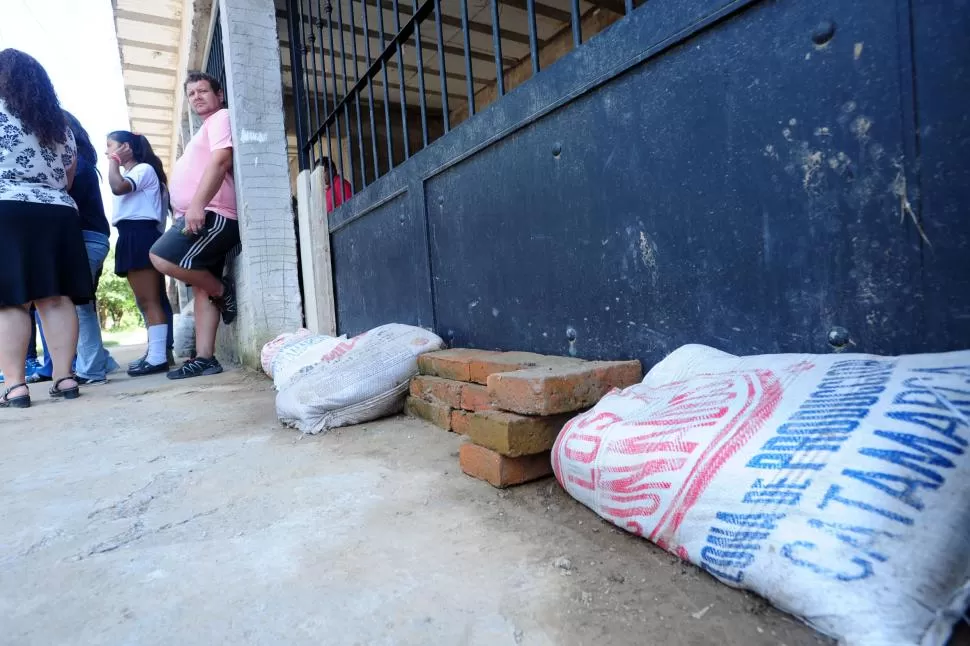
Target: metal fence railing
(376,81)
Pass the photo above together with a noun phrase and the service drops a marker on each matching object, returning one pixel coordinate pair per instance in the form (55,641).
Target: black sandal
(66,393)
(15,402)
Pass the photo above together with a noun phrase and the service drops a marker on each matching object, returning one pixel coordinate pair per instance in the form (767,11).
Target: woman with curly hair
(44,259)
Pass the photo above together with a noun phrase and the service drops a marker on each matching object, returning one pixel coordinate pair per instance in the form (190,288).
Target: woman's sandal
(66,393)
(15,402)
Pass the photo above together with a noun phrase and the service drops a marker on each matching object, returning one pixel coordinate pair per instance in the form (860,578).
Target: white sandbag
(837,486)
(298,356)
(184,331)
(363,378)
(271,349)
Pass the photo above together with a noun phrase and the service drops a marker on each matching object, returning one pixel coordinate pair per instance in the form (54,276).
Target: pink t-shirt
(343,193)
(214,134)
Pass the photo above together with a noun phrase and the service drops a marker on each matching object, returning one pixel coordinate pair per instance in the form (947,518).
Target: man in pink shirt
(203,197)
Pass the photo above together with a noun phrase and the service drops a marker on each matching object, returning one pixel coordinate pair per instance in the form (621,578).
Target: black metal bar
(387,98)
(398,44)
(442,73)
(370,92)
(404,33)
(319,26)
(333,116)
(469,77)
(574,19)
(497,45)
(294,25)
(316,87)
(628,5)
(533,35)
(360,129)
(349,170)
(455,51)
(422,102)
(428,69)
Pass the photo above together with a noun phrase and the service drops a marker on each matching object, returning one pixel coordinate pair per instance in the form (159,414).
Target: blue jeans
(93,361)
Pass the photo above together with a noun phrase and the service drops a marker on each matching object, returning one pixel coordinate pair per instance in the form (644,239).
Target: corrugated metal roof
(149,39)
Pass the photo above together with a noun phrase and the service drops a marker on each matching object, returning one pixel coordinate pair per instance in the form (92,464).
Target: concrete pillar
(266,270)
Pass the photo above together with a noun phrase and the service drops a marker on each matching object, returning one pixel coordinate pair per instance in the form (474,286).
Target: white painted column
(266,271)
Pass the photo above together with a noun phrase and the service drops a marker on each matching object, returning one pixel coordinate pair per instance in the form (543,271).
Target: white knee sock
(157,337)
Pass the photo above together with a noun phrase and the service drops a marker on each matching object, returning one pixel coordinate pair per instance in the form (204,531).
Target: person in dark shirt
(93,361)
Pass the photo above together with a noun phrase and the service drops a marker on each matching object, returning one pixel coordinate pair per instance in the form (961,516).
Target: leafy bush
(116,303)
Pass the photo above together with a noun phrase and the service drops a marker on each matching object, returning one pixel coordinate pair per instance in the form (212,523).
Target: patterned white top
(30,172)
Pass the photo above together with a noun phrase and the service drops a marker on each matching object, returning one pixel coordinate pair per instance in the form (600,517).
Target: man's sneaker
(37,378)
(227,302)
(197,367)
(144,368)
(84,381)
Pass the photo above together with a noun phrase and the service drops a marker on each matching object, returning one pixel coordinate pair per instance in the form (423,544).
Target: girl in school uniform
(138,181)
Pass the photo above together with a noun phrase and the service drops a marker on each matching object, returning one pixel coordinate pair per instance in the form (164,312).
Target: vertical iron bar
(360,129)
(442,74)
(421,99)
(370,86)
(469,77)
(316,81)
(577,31)
(530,6)
(387,98)
(343,62)
(297,69)
(400,73)
(628,6)
(336,101)
(497,46)
(323,71)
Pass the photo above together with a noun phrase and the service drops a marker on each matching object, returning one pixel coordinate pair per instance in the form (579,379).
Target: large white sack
(271,349)
(837,486)
(363,378)
(298,356)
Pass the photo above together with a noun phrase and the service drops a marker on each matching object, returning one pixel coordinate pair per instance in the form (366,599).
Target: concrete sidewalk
(159,512)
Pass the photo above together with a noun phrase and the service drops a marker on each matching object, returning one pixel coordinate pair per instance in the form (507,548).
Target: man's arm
(215,173)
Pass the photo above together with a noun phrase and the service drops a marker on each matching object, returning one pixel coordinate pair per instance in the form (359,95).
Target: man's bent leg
(200,278)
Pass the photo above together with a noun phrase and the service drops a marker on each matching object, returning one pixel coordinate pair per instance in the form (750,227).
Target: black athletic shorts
(206,250)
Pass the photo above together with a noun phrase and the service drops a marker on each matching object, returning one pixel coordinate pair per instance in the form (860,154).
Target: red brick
(497,362)
(437,414)
(451,364)
(560,389)
(514,435)
(499,470)
(437,390)
(475,397)
(459,421)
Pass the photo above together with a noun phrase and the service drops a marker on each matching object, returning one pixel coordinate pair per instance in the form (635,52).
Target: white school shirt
(144,202)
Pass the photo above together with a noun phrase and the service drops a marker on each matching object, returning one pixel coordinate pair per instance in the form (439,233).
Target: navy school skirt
(135,240)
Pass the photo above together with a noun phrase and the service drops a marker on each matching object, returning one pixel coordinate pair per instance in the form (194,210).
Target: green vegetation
(116,304)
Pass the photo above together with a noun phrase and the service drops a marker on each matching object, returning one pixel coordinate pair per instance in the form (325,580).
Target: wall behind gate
(758,176)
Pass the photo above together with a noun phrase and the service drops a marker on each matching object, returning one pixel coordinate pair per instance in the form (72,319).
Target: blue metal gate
(758,176)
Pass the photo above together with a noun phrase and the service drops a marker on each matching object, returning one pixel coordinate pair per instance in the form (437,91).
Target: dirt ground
(159,512)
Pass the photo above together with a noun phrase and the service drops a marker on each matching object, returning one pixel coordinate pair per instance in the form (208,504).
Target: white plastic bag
(184,331)
(300,355)
(361,379)
(271,349)
(837,486)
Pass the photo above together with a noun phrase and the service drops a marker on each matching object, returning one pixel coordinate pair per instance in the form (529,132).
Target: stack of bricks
(510,405)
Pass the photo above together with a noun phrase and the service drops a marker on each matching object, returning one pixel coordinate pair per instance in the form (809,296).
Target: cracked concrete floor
(158,512)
